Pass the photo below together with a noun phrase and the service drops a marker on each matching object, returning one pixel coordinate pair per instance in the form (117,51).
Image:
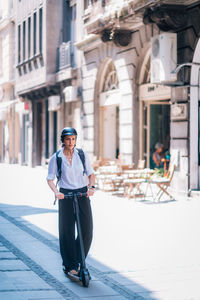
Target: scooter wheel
(85,279)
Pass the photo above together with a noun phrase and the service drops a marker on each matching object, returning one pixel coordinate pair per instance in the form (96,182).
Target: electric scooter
(84,275)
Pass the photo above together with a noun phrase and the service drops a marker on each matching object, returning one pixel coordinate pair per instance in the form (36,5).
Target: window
(40,29)
(87,3)
(29,37)
(111,80)
(19,43)
(34,33)
(24,40)
(74,12)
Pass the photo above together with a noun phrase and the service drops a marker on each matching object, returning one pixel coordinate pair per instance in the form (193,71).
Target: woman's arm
(91,183)
(156,161)
(55,190)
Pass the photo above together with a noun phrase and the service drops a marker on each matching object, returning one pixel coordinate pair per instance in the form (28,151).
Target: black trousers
(69,243)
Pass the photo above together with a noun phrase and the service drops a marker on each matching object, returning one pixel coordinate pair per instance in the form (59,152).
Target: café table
(134,179)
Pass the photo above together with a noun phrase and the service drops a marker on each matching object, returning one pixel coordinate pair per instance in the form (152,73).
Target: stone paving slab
(31,295)
(105,298)
(174,294)
(3,249)
(2,222)
(24,280)
(7,255)
(96,289)
(98,264)
(12,265)
(177,291)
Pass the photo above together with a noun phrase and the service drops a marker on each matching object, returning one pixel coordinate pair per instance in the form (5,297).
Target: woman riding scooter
(72,179)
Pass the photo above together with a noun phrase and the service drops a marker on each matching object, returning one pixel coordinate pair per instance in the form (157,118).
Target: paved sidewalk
(141,249)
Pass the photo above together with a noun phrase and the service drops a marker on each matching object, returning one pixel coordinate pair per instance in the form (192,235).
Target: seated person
(158,156)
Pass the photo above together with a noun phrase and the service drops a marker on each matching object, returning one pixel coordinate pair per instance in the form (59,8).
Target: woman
(72,179)
(158,157)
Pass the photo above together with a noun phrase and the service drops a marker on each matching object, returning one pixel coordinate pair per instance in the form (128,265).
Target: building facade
(46,75)
(88,64)
(125,113)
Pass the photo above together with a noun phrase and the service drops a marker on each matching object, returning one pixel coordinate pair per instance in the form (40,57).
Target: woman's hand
(90,192)
(59,195)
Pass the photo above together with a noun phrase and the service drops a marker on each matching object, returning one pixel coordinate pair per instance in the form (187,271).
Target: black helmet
(67,131)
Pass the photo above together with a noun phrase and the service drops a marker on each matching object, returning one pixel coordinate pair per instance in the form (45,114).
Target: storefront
(195,121)
(154,119)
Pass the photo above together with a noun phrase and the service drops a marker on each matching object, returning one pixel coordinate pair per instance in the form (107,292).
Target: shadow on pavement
(122,282)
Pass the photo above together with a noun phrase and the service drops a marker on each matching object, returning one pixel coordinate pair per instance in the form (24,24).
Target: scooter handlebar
(72,194)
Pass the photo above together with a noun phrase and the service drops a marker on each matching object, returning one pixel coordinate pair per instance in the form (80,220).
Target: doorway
(110,132)
(25,139)
(38,133)
(156,128)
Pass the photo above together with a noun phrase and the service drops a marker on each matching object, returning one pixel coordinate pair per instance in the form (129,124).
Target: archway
(154,114)
(195,121)
(106,110)
(109,114)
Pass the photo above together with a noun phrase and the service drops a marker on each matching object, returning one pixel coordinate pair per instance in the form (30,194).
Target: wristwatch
(91,187)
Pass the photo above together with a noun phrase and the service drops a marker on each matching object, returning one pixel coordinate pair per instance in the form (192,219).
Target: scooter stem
(80,238)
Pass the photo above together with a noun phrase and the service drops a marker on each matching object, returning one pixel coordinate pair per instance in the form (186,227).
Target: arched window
(110,80)
(146,71)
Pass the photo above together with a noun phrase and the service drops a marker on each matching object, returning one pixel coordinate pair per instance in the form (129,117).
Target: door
(109,124)
(110,132)
(199,145)
(39,134)
(25,139)
(156,128)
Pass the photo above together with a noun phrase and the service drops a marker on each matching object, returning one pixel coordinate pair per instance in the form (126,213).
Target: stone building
(8,130)
(46,75)
(88,64)
(124,112)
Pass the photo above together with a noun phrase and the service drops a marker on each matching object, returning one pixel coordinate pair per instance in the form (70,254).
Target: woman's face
(159,150)
(70,142)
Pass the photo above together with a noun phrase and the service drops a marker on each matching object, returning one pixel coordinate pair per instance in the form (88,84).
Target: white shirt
(71,175)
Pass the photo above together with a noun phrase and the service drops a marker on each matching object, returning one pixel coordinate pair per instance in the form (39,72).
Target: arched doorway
(195,121)
(109,101)
(154,114)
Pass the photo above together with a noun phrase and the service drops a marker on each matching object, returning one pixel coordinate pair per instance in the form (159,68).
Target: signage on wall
(154,92)
(179,111)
